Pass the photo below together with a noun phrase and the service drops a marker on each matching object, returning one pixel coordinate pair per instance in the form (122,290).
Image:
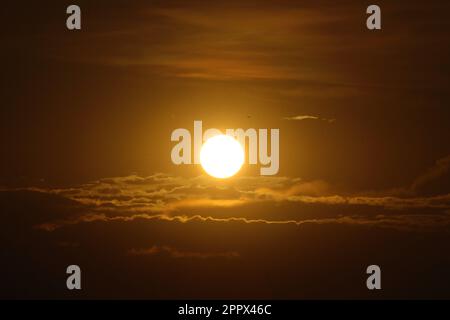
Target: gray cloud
(435,179)
(177,253)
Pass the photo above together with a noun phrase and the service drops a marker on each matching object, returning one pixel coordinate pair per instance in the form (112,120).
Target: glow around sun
(222,156)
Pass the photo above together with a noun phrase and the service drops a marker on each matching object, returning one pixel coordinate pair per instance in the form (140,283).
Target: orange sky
(86,120)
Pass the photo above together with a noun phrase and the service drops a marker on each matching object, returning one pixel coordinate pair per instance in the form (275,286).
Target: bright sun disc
(221,156)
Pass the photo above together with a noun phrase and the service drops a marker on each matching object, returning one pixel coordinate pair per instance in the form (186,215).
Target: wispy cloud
(438,173)
(263,200)
(177,253)
(400,222)
(308,117)
(220,42)
(163,193)
(258,199)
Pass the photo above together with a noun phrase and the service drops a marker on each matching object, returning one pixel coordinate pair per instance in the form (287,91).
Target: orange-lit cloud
(405,222)
(162,193)
(268,200)
(176,253)
(308,117)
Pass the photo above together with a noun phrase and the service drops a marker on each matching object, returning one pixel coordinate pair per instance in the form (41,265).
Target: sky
(86,176)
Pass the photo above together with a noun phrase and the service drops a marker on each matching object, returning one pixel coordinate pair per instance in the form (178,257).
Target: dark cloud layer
(141,232)
(144,258)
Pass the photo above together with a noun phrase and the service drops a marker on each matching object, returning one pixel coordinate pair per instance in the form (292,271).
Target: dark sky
(86,176)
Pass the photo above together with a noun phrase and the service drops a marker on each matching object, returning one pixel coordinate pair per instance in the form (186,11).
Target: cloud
(162,193)
(250,200)
(308,117)
(176,253)
(435,179)
(166,193)
(406,222)
(219,42)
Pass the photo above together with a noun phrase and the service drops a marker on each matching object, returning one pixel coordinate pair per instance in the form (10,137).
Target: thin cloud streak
(308,117)
(401,222)
(177,254)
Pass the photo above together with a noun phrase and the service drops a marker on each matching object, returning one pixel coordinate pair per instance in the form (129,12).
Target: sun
(222,156)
